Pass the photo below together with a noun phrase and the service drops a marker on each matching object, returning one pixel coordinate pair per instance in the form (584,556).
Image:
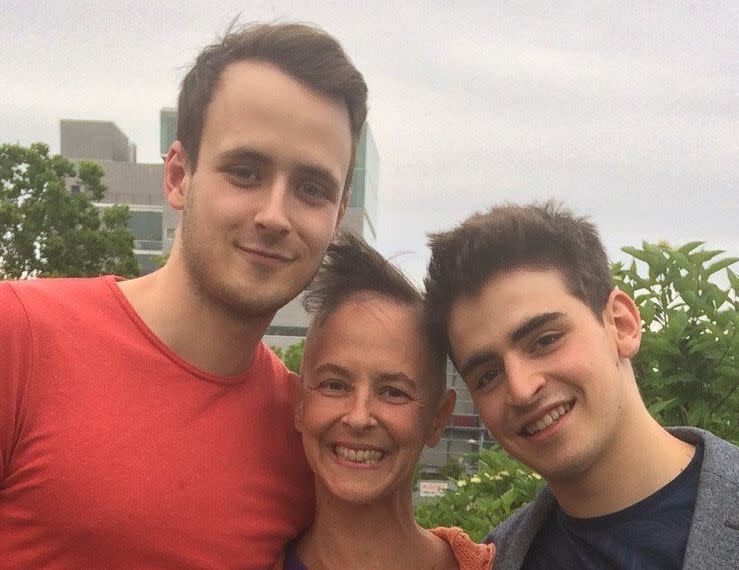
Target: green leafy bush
(483,500)
(292,356)
(687,367)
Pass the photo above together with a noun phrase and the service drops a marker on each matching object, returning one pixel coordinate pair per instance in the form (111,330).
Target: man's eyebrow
(532,324)
(475,360)
(241,154)
(321,172)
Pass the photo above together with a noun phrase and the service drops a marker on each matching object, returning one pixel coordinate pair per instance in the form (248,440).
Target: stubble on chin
(237,300)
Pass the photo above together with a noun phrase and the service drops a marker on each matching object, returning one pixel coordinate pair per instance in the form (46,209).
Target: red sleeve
(15,367)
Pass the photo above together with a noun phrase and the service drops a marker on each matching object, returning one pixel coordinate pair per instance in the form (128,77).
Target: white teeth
(548,419)
(358,455)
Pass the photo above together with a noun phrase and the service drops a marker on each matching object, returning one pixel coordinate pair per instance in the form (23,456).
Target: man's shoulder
(37,293)
(267,362)
(712,542)
(720,457)
(269,371)
(514,535)
(47,304)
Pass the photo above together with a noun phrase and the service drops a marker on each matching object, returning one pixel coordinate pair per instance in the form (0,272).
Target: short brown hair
(353,267)
(307,54)
(509,237)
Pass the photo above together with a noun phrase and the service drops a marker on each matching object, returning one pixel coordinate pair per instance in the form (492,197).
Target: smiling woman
(372,395)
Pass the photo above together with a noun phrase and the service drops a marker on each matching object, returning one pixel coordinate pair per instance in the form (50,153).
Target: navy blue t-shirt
(650,534)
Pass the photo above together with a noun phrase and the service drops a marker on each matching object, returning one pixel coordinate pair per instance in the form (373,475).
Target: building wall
(133,183)
(95,140)
(464,433)
(139,186)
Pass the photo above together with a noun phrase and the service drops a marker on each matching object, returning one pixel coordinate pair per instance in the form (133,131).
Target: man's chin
(247,306)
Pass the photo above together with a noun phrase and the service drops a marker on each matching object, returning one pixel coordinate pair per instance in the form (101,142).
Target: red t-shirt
(116,453)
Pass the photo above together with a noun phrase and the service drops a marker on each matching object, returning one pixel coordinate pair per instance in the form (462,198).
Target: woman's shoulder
(469,554)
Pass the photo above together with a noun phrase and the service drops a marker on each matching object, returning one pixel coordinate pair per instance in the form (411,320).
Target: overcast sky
(628,112)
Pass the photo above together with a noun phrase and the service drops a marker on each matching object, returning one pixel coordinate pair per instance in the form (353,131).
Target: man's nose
(272,215)
(523,382)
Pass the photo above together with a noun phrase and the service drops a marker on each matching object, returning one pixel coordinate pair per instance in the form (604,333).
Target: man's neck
(644,458)
(205,336)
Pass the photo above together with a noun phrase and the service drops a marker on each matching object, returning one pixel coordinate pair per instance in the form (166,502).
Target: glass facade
(167,129)
(366,178)
(146,228)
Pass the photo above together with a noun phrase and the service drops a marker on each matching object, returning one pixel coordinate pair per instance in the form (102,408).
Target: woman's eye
(333,387)
(396,394)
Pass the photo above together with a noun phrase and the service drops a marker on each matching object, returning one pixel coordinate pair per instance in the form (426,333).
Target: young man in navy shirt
(524,303)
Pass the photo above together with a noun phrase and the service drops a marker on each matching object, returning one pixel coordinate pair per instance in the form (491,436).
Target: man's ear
(441,417)
(176,175)
(296,389)
(622,314)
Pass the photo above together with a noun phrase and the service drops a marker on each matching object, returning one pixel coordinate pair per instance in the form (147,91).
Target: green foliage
(451,470)
(292,356)
(483,500)
(47,232)
(688,364)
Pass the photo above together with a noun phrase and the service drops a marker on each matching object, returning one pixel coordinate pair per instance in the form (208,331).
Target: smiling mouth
(275,255)
(365,456)
(550,418)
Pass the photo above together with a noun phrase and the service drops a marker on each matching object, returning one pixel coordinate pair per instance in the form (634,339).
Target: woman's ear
(441,417)
(622,314)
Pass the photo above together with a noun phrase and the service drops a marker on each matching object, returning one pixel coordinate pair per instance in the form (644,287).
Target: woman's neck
(382,534)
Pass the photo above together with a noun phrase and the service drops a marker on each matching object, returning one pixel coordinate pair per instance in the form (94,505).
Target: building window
(75,189)
(146,228)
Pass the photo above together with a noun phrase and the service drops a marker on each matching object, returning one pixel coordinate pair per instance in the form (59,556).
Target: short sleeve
(15,365)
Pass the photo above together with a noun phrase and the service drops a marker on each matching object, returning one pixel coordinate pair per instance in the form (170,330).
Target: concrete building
(464,434)
(128,182)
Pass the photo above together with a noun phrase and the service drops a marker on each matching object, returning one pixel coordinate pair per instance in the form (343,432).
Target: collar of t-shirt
(682,490)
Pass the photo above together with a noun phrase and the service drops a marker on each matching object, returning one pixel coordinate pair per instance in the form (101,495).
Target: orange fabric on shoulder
(469,554)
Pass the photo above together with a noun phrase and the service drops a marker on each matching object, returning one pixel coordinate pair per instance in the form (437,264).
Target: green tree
(46,231)
(292,356)
(688,364)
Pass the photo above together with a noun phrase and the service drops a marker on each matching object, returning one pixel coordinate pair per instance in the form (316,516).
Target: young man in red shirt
(144,423)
